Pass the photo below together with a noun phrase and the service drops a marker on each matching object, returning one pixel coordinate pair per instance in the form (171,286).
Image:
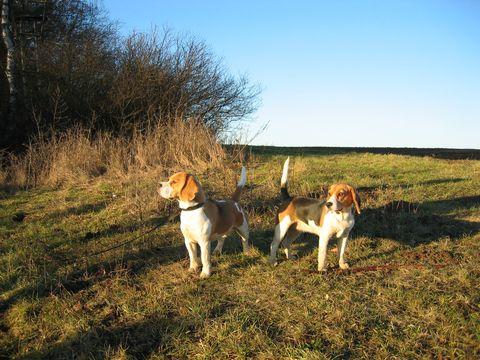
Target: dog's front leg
(322,250)
(193,255)
(341,245)
(206,258)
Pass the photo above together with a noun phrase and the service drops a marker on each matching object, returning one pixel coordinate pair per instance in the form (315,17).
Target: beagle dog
(334,217)
(203,220)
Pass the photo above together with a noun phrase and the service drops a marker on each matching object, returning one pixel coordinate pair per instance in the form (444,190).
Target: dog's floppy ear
(190,189)
(356,199)
(330,189)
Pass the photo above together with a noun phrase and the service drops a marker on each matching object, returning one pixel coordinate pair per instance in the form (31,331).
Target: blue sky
(341,73)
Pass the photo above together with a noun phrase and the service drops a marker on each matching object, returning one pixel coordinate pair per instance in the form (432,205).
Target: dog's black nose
(328,204)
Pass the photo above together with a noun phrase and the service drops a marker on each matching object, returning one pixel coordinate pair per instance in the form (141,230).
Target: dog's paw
(248,251)
(193,269)
(292,257)
(322,270)
(273,262)
(216,252)
(204,275)
(344,266)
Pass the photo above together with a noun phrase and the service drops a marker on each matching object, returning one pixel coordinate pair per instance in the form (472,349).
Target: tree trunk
(10,63)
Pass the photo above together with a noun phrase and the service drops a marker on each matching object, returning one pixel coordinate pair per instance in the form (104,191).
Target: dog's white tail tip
(285,172)
(243,177)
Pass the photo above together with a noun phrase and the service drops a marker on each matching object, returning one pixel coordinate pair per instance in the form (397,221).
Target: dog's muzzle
(165,190)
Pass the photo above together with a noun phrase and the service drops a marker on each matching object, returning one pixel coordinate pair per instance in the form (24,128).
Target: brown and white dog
(203,220)
(326,219)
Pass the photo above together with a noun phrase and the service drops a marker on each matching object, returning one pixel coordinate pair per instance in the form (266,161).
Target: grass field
(421,216)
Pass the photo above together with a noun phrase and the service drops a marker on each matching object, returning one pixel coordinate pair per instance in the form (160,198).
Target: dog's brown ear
(356,199)
(330,189)
(190,189)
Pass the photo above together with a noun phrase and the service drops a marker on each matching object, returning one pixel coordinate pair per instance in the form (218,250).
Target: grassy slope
(139,301)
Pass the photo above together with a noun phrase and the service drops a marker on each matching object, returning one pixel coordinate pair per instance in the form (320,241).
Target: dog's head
(342,196)
(181,186)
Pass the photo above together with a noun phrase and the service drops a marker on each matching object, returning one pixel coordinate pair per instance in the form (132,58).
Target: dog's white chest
(195,224)
(338,224)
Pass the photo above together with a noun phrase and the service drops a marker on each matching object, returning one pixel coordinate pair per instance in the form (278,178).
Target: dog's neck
(199,198)
(345,212)
(186,205)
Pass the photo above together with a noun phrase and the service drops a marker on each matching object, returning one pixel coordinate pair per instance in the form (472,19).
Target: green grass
(138,301)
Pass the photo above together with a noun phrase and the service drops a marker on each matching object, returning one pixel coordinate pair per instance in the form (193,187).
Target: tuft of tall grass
(78,156)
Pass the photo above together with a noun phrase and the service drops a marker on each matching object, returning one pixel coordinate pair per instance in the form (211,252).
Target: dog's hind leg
(218,249)
(244,235)
(291,235)
(280,230)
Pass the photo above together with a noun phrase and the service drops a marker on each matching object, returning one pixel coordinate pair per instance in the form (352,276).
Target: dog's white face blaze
(165,190)
(343,197)
(180,186)
(334,201)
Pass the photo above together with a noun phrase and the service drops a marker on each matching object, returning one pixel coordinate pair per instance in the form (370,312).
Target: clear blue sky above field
(341,73)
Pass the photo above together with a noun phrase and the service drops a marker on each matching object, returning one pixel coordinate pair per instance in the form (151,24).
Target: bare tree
(169,75)
(10,52)
(73,67)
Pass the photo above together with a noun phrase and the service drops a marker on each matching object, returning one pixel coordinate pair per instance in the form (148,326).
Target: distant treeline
(441,153)
(64,64)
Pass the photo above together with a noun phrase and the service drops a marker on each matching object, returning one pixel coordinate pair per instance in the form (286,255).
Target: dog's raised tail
(240,185)
(284,181)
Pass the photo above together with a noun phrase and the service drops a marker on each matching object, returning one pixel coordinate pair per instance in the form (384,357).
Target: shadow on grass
(157,334)
(123,228)
(418,223)
(78,210)
(367,190)
(138,340)
(131,262)
(91,270)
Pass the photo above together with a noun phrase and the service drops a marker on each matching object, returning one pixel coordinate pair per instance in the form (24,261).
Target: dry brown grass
(77,156)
